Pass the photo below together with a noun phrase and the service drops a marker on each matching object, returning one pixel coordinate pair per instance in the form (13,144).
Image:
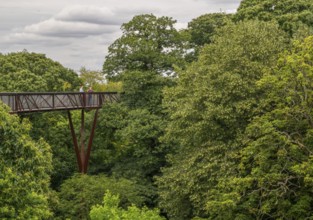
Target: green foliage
(214,101)
(289,14)
(79,193)
(23,80)
(53,127)
(143,90)
(139,139)
(127,142)
(127,146)
(216,96)
(112,87)
(148,43)
(92,78)
(202,29)
(274,179)
(105,149)
(130,130)
(24,168)
(111,211)
(30,72)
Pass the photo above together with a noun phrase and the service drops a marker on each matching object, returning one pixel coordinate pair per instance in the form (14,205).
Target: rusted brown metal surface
(52,101)
(82,153)
(76,148)
(92,133)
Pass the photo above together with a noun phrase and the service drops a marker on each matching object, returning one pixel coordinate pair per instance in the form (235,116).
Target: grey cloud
(33,39)
(128,13)
(57,28)
(89,14)
(103,15)
(10,18)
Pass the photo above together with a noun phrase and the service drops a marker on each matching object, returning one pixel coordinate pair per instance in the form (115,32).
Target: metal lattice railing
(51,101)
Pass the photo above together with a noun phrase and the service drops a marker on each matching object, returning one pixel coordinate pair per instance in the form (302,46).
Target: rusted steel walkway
(55,101)
(52,101)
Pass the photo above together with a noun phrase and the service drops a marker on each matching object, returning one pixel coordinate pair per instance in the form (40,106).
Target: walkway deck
(52,101)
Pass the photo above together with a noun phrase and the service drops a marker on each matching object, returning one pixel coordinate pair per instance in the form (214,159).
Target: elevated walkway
(28,102)
(52,101)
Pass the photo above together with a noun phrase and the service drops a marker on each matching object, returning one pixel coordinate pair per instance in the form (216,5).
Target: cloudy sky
(77,33)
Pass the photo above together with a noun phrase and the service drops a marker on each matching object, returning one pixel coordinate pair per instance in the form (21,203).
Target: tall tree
(147,51)
(211,106)
(275,170)
(148,43)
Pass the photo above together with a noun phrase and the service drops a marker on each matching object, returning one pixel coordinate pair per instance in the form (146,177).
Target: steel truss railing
(51,101)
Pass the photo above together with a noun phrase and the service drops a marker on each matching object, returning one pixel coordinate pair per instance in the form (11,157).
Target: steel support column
(75,141)
(83,154)
(82,141)
(91,139)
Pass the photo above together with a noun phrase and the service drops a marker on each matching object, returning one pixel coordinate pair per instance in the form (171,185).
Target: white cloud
(89,14)
(76,22)
(33,39)
(77,29)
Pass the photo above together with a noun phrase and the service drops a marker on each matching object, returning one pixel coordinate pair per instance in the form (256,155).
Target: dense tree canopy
(215,122)
(24,168)
(290,15)
(209,108)
(79,193)
(111,211)
(217,94)
(30,72)
(201,30)
(274,177)
(54,128)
